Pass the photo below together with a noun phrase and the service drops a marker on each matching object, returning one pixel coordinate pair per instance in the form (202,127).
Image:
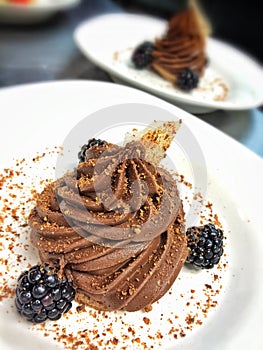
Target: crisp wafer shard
(156,137)
(203,21)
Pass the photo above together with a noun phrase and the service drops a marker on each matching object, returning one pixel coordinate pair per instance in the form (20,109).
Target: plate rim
(43,84)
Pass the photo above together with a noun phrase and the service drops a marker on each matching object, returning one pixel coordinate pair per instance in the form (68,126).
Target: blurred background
(236,21)
(45,51)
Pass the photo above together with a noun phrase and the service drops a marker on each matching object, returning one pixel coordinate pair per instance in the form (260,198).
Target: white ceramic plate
(104,36)
(37,11)
(35,118)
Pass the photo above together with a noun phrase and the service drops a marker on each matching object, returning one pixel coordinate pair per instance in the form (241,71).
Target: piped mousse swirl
(115,225)
(183,46)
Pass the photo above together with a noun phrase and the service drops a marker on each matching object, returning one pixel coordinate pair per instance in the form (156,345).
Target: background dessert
(180,55)
(182,46)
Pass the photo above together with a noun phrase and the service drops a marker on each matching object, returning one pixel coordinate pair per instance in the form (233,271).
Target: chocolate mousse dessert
(111,233)
(180,55)
(114,226)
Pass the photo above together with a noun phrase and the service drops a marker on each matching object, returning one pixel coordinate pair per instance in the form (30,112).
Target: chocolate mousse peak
(183,45)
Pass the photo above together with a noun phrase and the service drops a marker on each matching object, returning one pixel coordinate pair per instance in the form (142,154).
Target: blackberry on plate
(41,294)
(206,246)
(92,142)
(142,55)
(187,80)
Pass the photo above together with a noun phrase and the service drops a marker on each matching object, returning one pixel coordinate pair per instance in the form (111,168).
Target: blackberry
(206,246)
(187,80)
(42,295)
(142,55)
(92,142)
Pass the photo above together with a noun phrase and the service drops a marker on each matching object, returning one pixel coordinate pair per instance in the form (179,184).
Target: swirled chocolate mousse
(183,45)
(115,226)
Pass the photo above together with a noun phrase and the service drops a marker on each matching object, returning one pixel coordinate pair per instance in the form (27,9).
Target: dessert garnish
(187,80)
(156,138)
(142,55)
(206,246)
(92,142)
(42,294)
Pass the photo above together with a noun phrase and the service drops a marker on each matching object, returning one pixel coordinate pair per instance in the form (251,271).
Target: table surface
(46,52)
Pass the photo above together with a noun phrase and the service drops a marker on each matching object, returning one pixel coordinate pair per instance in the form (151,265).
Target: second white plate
(108,41)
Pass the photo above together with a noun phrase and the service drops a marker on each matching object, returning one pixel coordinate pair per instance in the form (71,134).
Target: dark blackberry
(206,246)
(142,55)
(92,142)
(42,295)
(187,80)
